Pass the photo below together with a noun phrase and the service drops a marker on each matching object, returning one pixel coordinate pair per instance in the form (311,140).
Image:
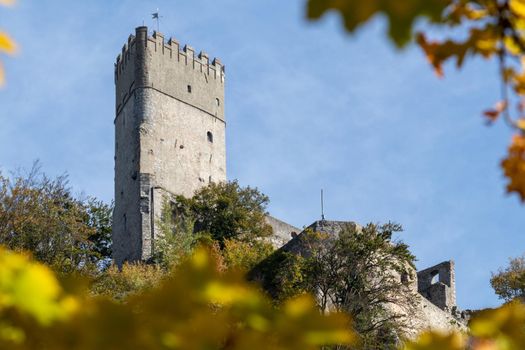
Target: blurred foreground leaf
(198,307)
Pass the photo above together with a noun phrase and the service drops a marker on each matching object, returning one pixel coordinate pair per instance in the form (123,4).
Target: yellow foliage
(129,280)
(245,255)
(197,307)
(31,288)
(504,328)
(498,329)
(438,341)
(514,166)
(518,7)
(7,45)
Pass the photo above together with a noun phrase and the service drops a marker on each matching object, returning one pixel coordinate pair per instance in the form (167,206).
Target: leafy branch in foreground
(196,307)
(490,28)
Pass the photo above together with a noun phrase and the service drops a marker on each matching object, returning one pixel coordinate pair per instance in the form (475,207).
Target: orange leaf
(429,48)
(493,113)
(514,166)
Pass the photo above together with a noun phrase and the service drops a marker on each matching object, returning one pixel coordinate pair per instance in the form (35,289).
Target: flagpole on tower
(156,15)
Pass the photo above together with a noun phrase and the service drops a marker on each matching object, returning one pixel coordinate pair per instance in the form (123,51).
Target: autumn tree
(509,283)
(40,215)
(493,28)
(130,280)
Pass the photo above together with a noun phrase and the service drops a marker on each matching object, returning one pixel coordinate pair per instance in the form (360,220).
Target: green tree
(509,283)
(281,275)
(359,272)
(226,211)
(176,238)
(40,215)
(178,235)
(100,218)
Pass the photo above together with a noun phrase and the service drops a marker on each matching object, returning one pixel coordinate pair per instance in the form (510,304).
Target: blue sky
(308,107)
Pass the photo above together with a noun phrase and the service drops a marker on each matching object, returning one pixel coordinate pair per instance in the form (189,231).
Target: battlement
(171,49)
(149,62)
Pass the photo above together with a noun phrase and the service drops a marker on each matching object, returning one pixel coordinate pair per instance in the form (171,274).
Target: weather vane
(322,205)
(157,16)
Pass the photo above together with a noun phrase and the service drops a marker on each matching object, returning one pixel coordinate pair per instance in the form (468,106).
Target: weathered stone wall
(127,237)
(434,304)
(427,316)
(282,232)
(438,284)
(170,134)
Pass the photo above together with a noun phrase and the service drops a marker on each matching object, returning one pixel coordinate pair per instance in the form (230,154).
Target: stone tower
(169,134)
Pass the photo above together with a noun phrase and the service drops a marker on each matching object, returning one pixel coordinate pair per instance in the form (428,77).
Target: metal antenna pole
(322,205)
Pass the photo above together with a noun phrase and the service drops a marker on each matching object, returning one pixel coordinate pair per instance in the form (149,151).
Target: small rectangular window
(189,89)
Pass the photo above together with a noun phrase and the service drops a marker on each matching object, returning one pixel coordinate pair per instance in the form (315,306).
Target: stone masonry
(433,288)
(438,284)
(170,139)
(169,134)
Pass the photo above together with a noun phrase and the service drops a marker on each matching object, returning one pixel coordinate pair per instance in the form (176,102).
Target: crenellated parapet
(172,49)
(149,62)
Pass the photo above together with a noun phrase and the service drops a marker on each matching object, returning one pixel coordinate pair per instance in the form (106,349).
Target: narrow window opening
(209,179)
(404,278)
(189,89)
(435,277)
(218,101)
(210,137)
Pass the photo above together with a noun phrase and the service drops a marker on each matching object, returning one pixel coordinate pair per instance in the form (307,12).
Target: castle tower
(169,134)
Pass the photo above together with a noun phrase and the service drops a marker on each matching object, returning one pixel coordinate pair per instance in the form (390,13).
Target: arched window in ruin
(209,136)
